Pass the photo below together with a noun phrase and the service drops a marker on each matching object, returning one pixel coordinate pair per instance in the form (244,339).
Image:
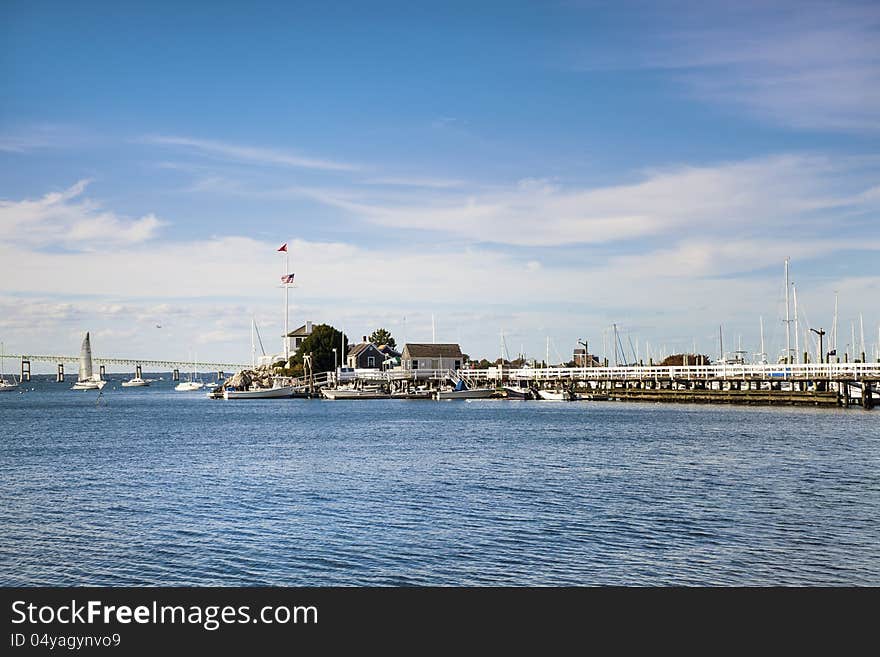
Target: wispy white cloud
(415,181)
(809,65)
(28,138)
(67,219)
(768,195)
(251,154)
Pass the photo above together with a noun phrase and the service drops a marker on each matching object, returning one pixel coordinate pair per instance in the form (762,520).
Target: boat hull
(472,393)
(554,395)
(8,387)
(420,394)
(135,383)
(189,386)
(518,393)
(354,394)
(88,385)
(282,392)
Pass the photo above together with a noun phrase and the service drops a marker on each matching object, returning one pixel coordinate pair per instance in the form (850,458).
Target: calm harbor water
(156,487)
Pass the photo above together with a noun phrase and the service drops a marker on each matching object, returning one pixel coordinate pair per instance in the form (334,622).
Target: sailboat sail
(85,359)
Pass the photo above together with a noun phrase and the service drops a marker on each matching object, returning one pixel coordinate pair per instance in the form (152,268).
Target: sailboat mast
(253,346)
(787,318)
(862,333)
(763,353)
(502,348)
(797,342)
(852,340)
(834,327)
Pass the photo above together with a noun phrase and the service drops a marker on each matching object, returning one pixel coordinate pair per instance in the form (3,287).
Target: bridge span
(135,364)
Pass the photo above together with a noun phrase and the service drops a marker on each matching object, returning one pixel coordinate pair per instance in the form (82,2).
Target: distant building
(364,355)
(582,359)
(419,356)
(297,337)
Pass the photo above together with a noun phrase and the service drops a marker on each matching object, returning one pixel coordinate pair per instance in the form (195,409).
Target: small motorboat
(515,392)
(555,395)
(372,392)
(276,392)
(461,391)
(136,382)
(189,386)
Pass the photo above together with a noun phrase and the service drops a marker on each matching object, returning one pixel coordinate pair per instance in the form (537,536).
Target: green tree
(383,336)
(320,344)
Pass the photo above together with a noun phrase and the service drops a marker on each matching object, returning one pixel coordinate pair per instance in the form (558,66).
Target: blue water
(156,487)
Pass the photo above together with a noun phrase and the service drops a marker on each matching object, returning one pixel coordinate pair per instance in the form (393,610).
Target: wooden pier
(825,385)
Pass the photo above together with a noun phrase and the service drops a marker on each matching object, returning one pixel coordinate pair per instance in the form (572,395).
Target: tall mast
(787,318)
(721,341)
(547,357)
(852,343)
(763,353)
(862,333)
(502,347)
(254,346)
(797,342)
(433,330)
(834,327)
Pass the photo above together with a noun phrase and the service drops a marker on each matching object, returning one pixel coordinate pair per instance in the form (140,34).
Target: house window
(457,365)
(415,364)
(435,364)
(371,361)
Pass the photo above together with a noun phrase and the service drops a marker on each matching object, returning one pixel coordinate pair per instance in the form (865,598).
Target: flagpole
(286,307)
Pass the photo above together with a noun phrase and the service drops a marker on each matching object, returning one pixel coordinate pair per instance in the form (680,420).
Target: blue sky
(537,168)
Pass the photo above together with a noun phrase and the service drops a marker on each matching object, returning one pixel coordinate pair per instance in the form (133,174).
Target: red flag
(283,247)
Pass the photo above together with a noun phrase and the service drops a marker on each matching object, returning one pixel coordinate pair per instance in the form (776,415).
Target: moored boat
(5,386)
(276,392)
(515,392)
(354,393)
(555,395)
(189,386)
(412,394)
(87,379)
(461,391)
(136,382)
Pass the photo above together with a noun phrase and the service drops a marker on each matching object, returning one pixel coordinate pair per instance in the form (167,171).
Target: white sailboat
(5,386)
(277,391)
(87,379)
(192,384)
(135,382)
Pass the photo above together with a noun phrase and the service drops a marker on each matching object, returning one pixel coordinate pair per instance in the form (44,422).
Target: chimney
(308,327)
(365,338)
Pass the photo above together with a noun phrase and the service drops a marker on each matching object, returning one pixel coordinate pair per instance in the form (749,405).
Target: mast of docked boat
(787,316)
(834,327)
(762,354)
(797,342)
(254,346)
(862,334)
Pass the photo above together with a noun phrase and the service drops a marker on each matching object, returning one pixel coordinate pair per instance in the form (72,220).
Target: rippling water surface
(156,487)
